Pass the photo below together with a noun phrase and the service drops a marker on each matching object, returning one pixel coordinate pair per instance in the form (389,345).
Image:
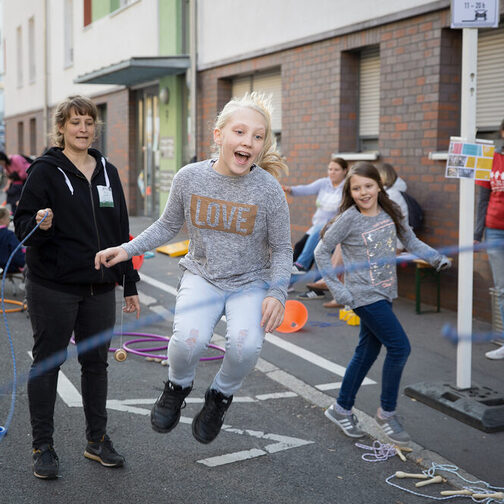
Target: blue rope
(5,428)
(55,359)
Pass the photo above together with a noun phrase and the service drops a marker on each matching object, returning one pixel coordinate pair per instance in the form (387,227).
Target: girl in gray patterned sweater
(238,264)
(367,228)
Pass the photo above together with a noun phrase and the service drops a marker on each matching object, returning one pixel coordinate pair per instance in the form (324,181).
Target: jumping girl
(367,228)
(238,264)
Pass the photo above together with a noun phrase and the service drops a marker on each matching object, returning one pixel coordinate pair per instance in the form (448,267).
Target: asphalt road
(276,445)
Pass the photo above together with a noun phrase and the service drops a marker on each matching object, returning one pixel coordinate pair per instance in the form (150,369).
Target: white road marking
(277,395)
(156,283)
(281,443)
(311,357)
(329,386)
(66,390)
(161,310)
(200,400)
(145,299)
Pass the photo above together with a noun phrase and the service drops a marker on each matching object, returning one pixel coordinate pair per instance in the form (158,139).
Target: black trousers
(54,316)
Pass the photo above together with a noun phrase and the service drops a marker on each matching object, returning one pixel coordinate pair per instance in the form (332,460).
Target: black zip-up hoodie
(62,257)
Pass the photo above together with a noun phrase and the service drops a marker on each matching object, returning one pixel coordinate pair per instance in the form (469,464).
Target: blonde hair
(82,106)
(4,214)
(269,159)
(387,174)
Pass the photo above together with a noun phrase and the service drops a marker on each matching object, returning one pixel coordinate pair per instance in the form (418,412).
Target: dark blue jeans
(379,326)
(54,316)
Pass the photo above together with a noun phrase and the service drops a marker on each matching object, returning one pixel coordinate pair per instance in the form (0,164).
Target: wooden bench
(424,272)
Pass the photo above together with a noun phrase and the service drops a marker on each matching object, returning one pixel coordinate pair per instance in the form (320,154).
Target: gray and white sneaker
(347,423)
(393,429)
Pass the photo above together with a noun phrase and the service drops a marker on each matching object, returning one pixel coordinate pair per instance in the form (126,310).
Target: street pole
(466,210)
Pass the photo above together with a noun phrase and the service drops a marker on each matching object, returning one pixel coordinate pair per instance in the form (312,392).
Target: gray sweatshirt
(369,245)
(238,226)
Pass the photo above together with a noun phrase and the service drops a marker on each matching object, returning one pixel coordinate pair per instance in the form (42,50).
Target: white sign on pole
(474,13)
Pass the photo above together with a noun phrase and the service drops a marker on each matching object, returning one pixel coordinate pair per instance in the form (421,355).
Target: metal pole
(466,209)
(45,108)
(193,26)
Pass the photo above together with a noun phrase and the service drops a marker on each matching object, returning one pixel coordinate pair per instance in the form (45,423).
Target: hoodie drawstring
(67,180)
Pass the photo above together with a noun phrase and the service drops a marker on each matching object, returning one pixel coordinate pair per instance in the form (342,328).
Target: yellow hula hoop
(22,306)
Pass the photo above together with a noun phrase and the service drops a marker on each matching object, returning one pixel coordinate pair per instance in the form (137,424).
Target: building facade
(373,82)
(134,71)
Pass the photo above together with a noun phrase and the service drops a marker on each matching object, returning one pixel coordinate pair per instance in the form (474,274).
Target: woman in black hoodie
(82,198)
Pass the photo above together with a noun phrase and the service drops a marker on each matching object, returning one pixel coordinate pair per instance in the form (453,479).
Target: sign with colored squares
(469,160)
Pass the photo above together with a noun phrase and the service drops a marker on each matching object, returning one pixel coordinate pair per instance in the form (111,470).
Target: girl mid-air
(239,260)
(367,228)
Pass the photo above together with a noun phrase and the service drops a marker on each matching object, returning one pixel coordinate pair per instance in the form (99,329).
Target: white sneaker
(496,354)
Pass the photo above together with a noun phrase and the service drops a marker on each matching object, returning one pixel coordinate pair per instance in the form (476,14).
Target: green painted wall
(100,8)
(170,27)
(172,122)
(172,127)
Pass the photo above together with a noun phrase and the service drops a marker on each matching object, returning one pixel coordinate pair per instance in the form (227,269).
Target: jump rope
(90,343)
(4,429)
(478,491)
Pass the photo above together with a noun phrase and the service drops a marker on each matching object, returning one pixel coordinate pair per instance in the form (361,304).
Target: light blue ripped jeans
(199,307)
(496,260)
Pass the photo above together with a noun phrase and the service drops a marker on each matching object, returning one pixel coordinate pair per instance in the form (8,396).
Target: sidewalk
(433,360)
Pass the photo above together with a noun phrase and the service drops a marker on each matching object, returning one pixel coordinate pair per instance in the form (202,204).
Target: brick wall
(119,130)
(11,133)
(419,110)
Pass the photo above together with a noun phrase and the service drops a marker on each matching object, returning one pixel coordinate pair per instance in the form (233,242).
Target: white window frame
(269,83)
(68,34)
(19,55)
(32,68)
(369,97)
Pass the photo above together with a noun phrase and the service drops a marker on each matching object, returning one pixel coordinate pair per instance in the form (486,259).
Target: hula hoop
(148,337)
(23,306)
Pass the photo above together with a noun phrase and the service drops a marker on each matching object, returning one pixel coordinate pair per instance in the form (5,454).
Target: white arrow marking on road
(71,396)
(282,443)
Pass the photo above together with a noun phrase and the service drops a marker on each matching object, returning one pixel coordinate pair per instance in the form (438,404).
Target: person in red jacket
(15,167)
(490,221)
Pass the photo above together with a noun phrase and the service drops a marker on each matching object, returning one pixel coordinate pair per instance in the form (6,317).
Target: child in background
(328,190)
(394,186)
(367,228)
(15,167)
(8,242)
(238,264)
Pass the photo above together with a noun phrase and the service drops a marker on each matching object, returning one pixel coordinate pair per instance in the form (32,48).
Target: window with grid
(369,99)
(269,83)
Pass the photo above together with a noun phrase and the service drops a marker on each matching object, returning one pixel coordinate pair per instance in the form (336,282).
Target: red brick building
(419,68)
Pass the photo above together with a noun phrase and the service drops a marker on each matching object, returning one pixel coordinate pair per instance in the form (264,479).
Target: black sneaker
(45,462)
(297,269)
(102,451)
(312,294)
(208,422)
(165,414)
